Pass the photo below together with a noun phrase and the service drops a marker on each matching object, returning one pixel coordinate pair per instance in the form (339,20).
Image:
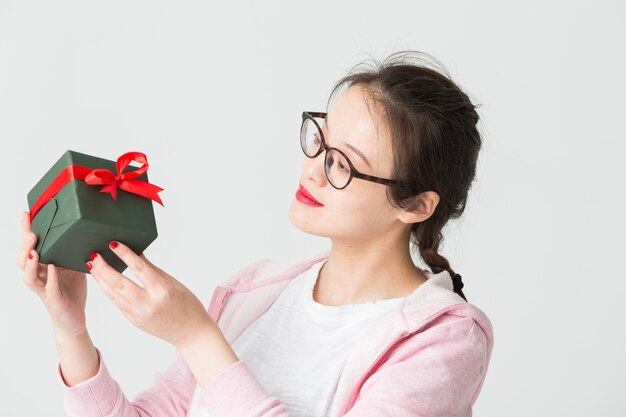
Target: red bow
(126,181)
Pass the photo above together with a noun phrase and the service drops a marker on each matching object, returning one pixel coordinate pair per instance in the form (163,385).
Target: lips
(308,195)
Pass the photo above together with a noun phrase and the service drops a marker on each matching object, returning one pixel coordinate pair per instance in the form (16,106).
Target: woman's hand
(163,307)
(62,291)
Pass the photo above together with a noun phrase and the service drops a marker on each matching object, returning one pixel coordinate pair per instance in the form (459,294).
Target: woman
(359,330)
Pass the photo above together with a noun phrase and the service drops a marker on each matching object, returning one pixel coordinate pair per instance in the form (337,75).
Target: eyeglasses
(338,168)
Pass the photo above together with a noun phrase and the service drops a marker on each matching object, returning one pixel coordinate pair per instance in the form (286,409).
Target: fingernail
(93,255)
(30,255)
(88,265)
(113,244)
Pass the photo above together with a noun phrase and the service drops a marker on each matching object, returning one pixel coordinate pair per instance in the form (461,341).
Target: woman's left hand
(164,307)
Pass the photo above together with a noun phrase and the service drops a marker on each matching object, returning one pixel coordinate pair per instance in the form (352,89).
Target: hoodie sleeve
(437,372)
(101,396)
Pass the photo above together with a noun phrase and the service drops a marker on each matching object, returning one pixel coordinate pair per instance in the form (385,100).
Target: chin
(303,220)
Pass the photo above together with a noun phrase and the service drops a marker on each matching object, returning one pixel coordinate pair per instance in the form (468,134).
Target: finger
(115,284)
(116,298)
(142,256)
(142,270)
(52,284)
(30,274)
(25,222)
(28,243)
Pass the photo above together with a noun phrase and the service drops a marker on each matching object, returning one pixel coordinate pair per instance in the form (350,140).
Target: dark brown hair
(434,138)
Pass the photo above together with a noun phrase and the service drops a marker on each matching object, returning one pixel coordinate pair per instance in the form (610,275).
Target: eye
(329,162)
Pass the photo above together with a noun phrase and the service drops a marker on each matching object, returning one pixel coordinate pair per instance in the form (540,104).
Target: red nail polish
(88,265)
(113,244)
(30,255)
(93,255)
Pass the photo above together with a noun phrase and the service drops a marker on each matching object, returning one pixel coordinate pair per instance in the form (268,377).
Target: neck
(354,275)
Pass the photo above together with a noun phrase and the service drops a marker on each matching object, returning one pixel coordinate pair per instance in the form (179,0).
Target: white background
(213,92)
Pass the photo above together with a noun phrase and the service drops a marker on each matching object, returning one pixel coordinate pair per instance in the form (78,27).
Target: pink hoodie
(430,359)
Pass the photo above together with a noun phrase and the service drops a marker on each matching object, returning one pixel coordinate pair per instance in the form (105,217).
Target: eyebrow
(352,148)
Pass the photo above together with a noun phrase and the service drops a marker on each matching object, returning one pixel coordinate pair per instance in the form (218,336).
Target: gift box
(83,202)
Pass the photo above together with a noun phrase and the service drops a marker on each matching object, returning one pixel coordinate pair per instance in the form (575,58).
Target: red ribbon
(126,181)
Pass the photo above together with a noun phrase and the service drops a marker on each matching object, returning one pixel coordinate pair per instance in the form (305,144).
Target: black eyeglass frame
(354,173)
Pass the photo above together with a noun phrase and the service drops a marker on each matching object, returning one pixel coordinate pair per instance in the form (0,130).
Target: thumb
(53,291)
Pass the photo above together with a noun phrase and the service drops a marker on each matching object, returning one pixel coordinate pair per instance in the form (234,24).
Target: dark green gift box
(80,219)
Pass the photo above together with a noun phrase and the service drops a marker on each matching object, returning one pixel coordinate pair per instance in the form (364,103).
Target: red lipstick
(305,197)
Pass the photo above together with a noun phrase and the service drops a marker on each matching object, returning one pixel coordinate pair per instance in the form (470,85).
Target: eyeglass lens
(336,167)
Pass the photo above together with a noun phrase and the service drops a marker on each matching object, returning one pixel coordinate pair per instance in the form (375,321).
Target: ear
(421,207)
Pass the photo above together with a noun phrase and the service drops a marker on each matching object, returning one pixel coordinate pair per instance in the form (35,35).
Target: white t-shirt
(298,347)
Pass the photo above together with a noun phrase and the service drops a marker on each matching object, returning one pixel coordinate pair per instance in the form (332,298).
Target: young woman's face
(360,211)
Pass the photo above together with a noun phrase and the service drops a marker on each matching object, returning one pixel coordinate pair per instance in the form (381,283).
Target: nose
(313,168)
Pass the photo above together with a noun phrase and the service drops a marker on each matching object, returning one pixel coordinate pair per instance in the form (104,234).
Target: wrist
(207,354)
(61,333)
(197,338)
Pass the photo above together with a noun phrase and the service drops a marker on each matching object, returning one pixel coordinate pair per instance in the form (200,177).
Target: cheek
(361,202)
(360,217)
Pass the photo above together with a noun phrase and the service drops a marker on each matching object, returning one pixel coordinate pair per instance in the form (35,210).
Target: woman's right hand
(62,291)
